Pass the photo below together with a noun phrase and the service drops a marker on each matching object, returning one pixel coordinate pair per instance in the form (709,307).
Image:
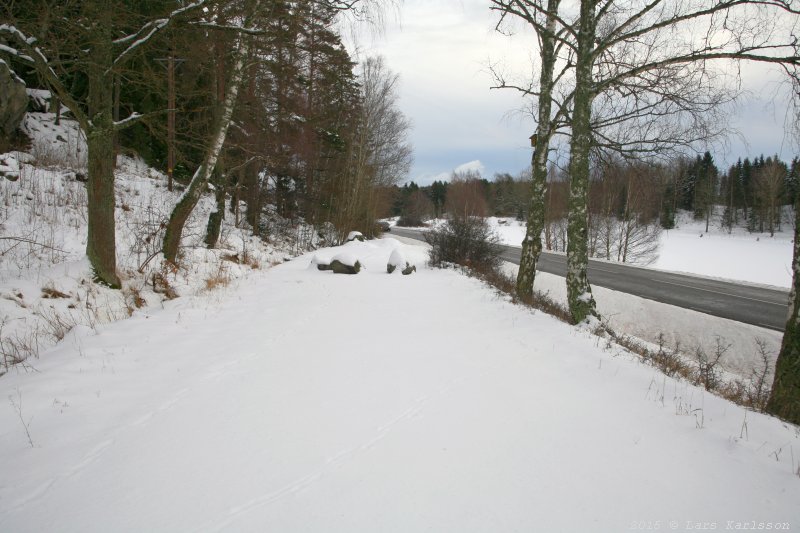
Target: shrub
(467,241)
(410,221)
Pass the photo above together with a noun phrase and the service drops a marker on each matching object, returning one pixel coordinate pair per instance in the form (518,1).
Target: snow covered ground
(751,257)
(738,256)
(46,284)
(301,400)
(741,256)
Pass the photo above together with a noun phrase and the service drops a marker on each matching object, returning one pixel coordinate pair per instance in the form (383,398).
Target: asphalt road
(759,306)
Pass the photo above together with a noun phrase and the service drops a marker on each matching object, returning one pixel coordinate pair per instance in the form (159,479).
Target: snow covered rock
(9,167)
(39,100)
(395,260)
(13,100)
(319,263)
(340,268)
(345,264)
(355,236)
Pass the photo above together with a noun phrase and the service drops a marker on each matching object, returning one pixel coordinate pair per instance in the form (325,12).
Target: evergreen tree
(705,188)
(667,216)
(438,195)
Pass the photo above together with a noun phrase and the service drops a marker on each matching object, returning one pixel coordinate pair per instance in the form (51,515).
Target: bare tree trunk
(784,399)
(215,218)
(532,244)
(579,292)
(101,241)
(252,197)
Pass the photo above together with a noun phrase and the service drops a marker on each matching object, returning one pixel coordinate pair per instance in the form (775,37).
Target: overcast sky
(442,50)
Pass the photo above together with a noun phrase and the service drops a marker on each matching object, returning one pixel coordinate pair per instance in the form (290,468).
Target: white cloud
(442,50)
(471,166)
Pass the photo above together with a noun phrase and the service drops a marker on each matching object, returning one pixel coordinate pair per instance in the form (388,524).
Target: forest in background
(629,202)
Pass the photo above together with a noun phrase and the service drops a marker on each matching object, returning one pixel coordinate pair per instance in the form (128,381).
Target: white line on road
(716,292)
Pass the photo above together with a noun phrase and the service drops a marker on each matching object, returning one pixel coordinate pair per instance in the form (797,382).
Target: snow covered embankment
(46,285)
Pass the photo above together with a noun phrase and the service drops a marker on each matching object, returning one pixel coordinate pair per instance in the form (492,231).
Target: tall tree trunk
(215,218)
(101,240)
(532,244)
(784,399)
(252,197)
(185,206)
(579,292)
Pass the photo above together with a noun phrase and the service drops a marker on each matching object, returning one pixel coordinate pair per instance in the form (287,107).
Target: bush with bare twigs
(466,241)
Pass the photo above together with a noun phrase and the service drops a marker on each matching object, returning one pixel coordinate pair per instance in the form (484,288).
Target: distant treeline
(629,201)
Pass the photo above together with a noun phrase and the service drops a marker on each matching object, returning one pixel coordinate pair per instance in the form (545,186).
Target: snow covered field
(742,256)
(751,257)
(301,400)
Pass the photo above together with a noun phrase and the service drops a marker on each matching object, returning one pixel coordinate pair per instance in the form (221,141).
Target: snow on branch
(146,32)
(13,74)
(13,31)
(129,121)
(16,53)
(228,27)
(135,117)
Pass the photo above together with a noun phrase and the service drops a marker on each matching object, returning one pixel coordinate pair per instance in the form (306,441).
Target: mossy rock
(390,268)
(409,269)
(340,268)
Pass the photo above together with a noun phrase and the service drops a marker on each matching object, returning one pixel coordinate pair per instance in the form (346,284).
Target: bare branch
(146,32)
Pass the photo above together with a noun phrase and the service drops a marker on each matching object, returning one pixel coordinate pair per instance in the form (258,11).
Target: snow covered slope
(46,284)
(308,401)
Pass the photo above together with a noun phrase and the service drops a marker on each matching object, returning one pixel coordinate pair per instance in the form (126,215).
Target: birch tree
(644,82)
(784,398)
(199,182)
(543,18)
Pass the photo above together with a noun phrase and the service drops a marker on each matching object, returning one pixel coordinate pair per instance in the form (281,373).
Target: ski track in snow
(214,373)
(338,460)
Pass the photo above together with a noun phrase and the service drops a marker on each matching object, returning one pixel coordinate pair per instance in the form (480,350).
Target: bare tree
(639,61)
(768,188)
(380,154)
(544,20)
(465,195)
